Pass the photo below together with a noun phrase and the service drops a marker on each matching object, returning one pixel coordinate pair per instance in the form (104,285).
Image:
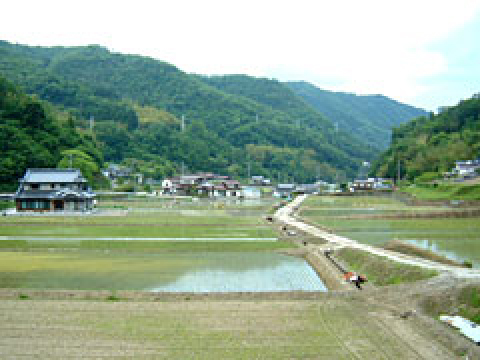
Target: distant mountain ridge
(232,122)
(369,117)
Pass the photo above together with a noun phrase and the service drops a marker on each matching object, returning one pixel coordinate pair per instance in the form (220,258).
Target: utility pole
(92,120)
(256,118)
(71,160)
(398,171)
(183,123)
(248,170)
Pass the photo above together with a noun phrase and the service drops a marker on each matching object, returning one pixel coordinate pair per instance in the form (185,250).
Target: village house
(284,190)
(53,190)
(225,188)
(207,184)
(259,180)
(114,171)
(362,185)
(466,168)
(307,188)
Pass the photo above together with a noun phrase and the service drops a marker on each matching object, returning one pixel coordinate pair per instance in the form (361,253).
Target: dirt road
(284,215)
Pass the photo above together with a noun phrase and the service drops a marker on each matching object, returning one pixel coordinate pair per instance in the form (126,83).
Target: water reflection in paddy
(185,271)
(455,238)
(289,274)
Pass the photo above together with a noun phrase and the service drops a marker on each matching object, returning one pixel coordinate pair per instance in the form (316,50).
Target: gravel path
(284,215)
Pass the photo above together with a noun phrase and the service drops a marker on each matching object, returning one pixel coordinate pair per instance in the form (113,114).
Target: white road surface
(284,215)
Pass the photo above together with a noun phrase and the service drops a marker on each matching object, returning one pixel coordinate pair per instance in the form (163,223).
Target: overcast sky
(422,52)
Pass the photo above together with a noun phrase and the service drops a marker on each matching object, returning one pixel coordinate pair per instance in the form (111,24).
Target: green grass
(167,217)
(381,271)
(139,246)
(359,201)
(444,191)
(143,231)
(464,302)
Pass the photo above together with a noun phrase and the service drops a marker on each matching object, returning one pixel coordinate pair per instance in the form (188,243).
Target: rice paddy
(455,238)
(172,272)
(190,246)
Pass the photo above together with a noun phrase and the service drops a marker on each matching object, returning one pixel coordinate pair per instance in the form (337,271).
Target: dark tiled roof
(53,176)
(53,194)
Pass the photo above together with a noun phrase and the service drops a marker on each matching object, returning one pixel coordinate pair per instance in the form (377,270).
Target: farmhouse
(468,167)
(284,190)
(361,185)
(53,190)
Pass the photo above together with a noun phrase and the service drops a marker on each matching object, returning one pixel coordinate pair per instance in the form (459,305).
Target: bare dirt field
(369,324)
(330,329)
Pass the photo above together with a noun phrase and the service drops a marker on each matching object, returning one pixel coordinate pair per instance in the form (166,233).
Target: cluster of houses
(465,169)
(370,184)
(46,190)
(202,184)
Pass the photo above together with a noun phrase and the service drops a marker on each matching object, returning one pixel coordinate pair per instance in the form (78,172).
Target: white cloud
(366,47)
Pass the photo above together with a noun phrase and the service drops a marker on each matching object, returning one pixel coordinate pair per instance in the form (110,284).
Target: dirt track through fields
(284,215)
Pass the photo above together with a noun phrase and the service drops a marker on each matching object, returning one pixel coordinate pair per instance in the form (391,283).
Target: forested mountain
(137,104)
(433,143)
(32,137)
(369,117)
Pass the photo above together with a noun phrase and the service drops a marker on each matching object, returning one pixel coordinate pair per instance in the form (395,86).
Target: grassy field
(381,271)
(333,328)
(141,231)
(465,302)
(446,191)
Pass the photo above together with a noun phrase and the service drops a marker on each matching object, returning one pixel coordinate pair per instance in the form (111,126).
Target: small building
(307,189)
(362,185)
(114,171)
(284,190)
(260,181)
(169,186)
(468,167)
(54,190)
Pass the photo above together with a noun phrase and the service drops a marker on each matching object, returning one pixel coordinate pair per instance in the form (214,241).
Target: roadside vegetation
(464,302)
(409,249)
(381,271)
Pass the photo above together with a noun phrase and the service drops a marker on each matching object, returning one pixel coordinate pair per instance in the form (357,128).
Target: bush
(427,177)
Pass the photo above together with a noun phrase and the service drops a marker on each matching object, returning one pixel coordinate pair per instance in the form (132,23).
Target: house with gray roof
(53,190)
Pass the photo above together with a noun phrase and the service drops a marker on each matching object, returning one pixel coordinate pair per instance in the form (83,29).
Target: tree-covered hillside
(369,117)
(433,143)
(137,103)
(32,137)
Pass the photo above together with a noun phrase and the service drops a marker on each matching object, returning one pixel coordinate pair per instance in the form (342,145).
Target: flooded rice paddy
(176,272)
(455,238)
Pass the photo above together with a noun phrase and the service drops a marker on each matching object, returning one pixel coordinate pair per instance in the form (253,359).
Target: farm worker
(356,279)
